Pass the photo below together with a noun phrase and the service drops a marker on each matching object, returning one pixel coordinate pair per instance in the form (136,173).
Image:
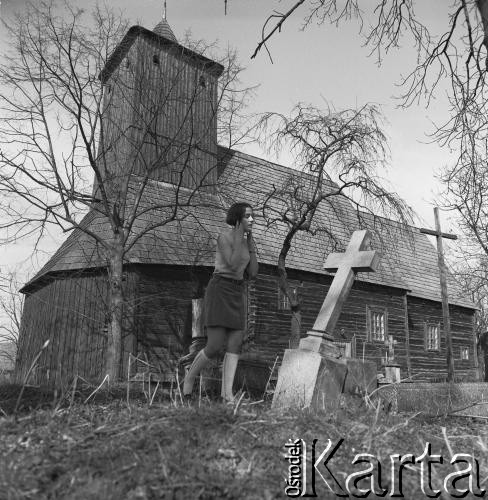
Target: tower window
(202,82)
(156,59)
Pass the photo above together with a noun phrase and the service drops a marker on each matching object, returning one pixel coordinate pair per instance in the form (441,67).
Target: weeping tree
(82,129)
(340,156)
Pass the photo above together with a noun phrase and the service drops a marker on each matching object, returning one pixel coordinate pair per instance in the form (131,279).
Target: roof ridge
(265,162)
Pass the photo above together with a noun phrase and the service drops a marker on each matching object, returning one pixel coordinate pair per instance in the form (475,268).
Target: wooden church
(166,269)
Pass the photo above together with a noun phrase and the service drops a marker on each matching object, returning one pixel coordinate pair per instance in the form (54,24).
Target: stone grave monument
(312,376)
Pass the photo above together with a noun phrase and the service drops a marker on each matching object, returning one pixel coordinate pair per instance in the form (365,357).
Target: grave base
(306,379)
(392,373)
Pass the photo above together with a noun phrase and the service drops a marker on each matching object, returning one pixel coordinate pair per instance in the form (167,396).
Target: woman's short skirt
(224,303)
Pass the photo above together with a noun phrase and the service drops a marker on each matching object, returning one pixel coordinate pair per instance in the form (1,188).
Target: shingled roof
(409,260)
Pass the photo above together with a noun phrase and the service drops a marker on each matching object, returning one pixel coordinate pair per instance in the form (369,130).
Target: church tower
(160,110)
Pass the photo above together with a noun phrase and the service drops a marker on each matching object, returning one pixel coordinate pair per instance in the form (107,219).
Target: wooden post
(197,318)
(476,361)
(197,332)
(443,281)
(407,337)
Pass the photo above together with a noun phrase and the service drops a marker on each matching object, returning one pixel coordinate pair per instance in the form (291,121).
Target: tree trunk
(296,325)
(116,303)
(296,317)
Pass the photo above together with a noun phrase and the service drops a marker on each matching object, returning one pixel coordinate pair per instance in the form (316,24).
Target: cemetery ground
(111,447)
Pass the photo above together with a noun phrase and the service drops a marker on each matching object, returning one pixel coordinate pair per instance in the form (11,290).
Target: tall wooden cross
(355,259)
(443,281)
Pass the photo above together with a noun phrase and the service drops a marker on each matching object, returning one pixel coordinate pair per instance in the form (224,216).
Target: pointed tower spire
(163,29)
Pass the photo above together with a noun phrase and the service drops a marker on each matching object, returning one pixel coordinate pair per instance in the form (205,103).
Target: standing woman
(224,314)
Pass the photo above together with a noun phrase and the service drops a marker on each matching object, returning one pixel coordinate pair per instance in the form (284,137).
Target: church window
(432,337)
(156,59)
(202,82)
(283,301)
(377,324)
(464,354)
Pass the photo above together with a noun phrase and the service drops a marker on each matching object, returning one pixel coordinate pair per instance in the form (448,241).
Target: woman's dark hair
(236,212)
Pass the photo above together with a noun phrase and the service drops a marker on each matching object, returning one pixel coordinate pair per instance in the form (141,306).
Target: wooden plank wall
(163,316)
(175,127)
(429,365)
(72,313)
(115,152)
(273,326)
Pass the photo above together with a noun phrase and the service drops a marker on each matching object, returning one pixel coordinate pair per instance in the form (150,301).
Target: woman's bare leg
(231,358)
(215,341)
(234,341)
(216,336)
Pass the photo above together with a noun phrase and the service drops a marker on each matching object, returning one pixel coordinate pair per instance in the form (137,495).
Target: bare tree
(453,60)
(471,273)
(339,155)
(81,101)
(385,22)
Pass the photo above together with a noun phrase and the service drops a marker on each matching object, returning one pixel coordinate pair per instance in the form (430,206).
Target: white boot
(228,372)
(199,363)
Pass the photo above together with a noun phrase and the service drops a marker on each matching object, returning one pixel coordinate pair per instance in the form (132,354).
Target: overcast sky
(320,65)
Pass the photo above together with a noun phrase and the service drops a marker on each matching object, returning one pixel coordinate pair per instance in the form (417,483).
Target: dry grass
(108,449)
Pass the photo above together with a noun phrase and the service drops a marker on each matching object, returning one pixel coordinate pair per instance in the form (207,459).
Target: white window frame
(429,328)
(283,301)
(464,353)
(377,320)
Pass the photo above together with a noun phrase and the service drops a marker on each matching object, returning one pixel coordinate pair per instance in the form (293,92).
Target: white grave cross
(355,259)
